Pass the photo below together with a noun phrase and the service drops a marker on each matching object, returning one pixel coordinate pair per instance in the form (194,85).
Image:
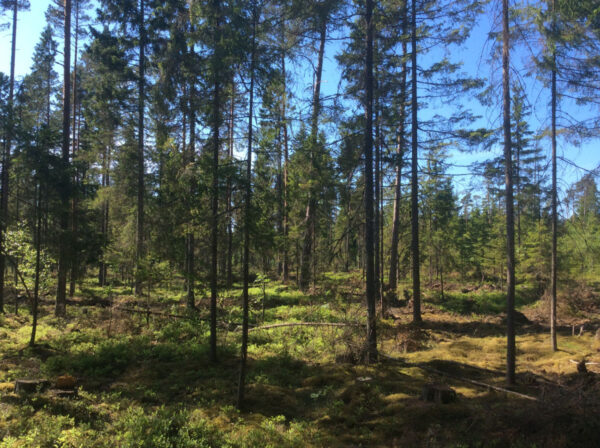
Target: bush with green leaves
(21,252)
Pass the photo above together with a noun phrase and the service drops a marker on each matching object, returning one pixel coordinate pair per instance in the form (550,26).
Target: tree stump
(61,393)
(438,393)
(31,386)
(66,382)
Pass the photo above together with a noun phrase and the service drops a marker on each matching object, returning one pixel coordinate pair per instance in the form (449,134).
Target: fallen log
(458,378)
(153,312)
(308,324)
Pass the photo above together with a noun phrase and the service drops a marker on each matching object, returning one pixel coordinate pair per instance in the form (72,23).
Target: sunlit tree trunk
(64,249)
(214,221)
(307,249)
(38,245)
(286,269)
(414,194)
(75,144)
(140,150)
(228,205)
(371,285)
(247,205)
(400,148)
(554,198)
(510,220)
(6,154)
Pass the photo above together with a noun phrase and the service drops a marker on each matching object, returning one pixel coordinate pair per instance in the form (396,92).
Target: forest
(300,223)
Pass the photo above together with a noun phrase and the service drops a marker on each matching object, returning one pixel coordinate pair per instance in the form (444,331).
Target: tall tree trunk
(63,244)
(247,205)
(38,245)
(554,197)
(518,183)
(400,148)
(140,151)
(6,155)
(228,205)
(214,239)
(286,268)
(75,144)
(414,194)
(380,284)
(310,219)
(102,274)
(371,284)
(189,240)
(378,274)
(510,219)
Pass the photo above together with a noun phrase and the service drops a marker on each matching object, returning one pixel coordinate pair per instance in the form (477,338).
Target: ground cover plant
(150,382)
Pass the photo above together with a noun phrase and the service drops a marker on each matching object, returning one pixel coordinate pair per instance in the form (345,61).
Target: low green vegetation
(148,382)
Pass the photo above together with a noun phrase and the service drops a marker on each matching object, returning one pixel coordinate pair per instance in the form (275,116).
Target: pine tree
(14,6)
(368,174)
(65,188)
(510,230)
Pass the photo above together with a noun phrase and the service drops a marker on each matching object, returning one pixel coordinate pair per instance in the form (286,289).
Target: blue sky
(474,53)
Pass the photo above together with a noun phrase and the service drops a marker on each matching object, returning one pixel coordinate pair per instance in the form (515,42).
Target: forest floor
(145,380)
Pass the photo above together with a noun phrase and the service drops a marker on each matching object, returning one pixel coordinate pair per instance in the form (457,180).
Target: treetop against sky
(574,159)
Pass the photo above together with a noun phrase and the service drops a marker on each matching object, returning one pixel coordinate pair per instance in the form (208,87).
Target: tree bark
(102,274)
(229,267)
(378,274)
(63,244)
(214,241)
(38,244)
(305,262)
(554,198)
(400,148)
(414,194)
(190,242)
(369,218)
(248,204)
(75,144)
(6,155)
(285,269)
(140,151)
(510,221)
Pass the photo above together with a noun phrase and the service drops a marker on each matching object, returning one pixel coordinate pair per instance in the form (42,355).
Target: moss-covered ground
(145,380)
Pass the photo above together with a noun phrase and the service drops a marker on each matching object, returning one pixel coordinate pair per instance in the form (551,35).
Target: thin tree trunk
(140,151)
(75,143)
(248,204)
(400,148)
(286,267)
(279,188)
(381,284)
(307,249)
(376,221)
(518,183)
(510,220)
(369,221)
(414,194)
(36,287)
(63,248)
(190,243)
(554,200)
(214,243)
(6,155)
(102,275)
(229,268)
